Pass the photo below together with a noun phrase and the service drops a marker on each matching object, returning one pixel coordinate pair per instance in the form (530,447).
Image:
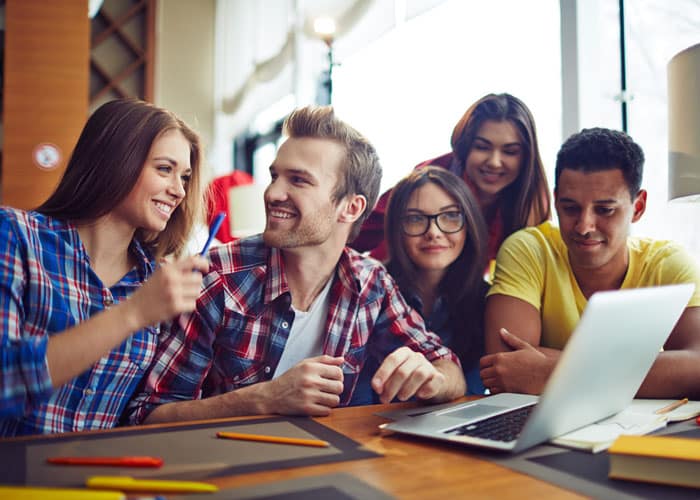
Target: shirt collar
(145,264)
(350,270)
(275,282)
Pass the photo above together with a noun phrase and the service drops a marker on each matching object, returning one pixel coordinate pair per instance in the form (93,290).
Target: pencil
(273,439)
(216,224)
(671,407)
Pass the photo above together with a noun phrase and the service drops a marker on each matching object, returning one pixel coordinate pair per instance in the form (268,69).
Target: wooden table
(412,467)
(409,468)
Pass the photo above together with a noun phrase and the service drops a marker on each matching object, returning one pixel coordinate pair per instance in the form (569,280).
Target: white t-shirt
(307,333)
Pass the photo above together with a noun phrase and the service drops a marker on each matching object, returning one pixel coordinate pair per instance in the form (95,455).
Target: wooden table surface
(412,468)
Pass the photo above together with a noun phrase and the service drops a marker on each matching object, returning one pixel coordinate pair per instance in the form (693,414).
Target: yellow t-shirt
(533,265)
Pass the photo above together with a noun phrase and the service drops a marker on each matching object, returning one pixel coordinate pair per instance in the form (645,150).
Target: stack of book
(656,459)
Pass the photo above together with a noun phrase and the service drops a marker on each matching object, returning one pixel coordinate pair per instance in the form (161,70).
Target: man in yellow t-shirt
(545,275)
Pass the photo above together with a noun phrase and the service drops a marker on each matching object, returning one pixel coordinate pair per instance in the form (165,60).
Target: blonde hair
(360,173)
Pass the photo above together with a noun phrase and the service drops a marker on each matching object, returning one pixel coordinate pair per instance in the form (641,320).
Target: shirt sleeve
(677,267)
(400,325)
(520,269)
(24,378)
(183,358)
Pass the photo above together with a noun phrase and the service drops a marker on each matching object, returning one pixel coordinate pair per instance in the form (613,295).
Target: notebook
(600,370)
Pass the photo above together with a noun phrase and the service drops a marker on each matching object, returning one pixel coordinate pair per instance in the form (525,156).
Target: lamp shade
(684,125)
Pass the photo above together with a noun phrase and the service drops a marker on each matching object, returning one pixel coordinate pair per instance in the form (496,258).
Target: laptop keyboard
(505,427)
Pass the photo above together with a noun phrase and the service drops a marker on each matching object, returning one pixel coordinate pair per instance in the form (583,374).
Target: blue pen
(214,229)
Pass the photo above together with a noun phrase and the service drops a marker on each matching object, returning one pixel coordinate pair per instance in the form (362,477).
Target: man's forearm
(455,386)
(674,374)
(244,401)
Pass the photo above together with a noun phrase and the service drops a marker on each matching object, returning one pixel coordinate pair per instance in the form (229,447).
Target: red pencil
(109,461)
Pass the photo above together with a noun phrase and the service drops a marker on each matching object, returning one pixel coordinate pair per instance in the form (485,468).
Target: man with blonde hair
(288,319)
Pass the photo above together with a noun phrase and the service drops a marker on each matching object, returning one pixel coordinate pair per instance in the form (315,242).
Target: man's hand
(406,373)
(524,369)
(312,387)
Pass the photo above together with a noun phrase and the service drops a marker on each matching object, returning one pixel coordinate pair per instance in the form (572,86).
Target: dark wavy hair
(463,285)
(597,149)
(526,202)
(107,162)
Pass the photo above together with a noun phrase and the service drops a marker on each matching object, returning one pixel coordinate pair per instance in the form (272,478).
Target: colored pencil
(273,439)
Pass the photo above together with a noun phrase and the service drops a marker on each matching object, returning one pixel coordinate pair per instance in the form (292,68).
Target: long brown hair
(463,284)
(107,162)
(526,201)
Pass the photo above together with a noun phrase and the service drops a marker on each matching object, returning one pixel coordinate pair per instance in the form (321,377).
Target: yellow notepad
(656,459)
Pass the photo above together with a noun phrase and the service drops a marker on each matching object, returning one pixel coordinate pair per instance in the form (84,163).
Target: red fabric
(371,237)
(218,200)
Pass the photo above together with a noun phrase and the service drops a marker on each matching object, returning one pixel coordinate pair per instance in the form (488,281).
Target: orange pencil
(109,461)
(273,439)
(671,407)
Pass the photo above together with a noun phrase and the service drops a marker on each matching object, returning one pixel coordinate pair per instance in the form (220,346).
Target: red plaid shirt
(238,331)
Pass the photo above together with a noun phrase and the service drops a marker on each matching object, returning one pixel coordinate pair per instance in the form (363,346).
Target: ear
(352,208)
(640,205)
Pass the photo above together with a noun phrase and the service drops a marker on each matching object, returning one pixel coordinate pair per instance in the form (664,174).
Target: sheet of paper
(599,436)
(684,412)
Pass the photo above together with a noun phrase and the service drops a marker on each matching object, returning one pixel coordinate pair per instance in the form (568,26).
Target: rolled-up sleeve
(183,358)
(24,379)
(403,326)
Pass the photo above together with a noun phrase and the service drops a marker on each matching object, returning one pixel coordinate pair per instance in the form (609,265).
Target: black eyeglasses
(418,224)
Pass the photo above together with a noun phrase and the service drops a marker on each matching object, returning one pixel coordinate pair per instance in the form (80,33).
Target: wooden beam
(47,54)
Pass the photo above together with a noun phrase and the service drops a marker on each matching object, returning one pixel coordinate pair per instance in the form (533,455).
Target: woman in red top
(495,151)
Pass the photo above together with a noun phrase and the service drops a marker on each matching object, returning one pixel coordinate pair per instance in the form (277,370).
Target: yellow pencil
(127,483)
(273,439)
(44,493)
(671,407)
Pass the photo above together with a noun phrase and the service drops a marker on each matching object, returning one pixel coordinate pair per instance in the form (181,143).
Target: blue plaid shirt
(46,287)
(239,329)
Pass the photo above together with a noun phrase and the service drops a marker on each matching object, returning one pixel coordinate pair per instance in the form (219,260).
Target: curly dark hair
(597,149)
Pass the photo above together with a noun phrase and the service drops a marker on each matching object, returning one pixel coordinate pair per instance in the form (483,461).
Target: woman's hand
(173,289)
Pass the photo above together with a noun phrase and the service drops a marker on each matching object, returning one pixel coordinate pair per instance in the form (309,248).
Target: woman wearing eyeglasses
(437,240)
(495,152)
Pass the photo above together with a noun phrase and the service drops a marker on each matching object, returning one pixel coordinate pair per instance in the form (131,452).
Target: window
(408,89)
(656,31)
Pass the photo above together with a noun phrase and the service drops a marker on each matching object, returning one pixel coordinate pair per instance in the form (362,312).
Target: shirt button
(285,324)
(268,369)
(89,391)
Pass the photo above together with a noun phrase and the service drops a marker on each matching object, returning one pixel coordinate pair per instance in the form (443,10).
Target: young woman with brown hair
(495,151)
(82,293)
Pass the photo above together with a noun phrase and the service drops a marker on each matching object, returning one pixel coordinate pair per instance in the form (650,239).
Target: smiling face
(595,213)
(160,187)
(433,251)
(299,200)
(494,160)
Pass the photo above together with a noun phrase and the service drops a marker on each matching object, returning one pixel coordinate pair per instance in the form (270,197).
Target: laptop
(601,368)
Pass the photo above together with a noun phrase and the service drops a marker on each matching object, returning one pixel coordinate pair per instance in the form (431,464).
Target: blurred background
(400,71)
